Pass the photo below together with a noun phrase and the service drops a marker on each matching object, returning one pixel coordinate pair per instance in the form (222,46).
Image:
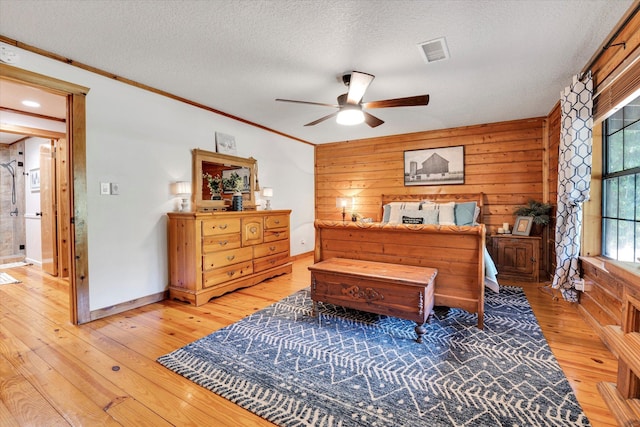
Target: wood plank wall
(602,303)
(502,160)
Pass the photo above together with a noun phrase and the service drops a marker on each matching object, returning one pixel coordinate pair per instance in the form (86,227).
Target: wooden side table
(516,257)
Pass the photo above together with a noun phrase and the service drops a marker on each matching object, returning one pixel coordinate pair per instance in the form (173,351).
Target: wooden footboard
(456,251)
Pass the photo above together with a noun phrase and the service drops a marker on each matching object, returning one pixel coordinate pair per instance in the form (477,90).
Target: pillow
(386,212)
(431,216)
(465,213)
(410,216)
(446,214)
(394,216)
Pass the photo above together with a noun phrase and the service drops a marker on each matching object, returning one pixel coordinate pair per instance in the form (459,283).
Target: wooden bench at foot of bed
(403,291)
(457,252)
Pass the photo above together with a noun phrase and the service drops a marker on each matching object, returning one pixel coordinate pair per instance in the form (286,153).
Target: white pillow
(446,213)
(395,207)
(428,205)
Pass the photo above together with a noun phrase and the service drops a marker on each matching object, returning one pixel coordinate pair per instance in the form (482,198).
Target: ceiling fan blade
(307,102)
(372,121)
(322,119)
(410,101)
(358,84)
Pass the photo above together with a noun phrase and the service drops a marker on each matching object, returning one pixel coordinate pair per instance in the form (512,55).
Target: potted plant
(538,211)
(213,182)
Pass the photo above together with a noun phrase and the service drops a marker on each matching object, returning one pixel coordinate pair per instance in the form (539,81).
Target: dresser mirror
(214,171)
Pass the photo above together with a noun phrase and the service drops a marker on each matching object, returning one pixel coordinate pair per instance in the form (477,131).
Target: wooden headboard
(437,198)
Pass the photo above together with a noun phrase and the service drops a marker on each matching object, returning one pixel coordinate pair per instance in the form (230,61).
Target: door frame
(75,199)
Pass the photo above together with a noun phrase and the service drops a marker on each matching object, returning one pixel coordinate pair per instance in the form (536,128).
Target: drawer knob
(223,242)
(224,226)
(272,248)
(253,229)
(231,257)
(231,273)
(277,234)
(277,221)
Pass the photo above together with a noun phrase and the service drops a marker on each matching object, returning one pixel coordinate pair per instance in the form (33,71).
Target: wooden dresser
(212,253)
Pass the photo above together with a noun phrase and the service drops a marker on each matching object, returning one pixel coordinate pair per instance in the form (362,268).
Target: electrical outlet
(105,188)
(115,188)
(303,242)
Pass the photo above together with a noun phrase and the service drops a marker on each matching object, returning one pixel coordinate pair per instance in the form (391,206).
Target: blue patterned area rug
(349,368)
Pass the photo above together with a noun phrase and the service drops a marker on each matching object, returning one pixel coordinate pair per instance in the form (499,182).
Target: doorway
(71,194)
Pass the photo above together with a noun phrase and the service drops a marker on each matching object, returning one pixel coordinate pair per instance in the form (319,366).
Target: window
(621,184)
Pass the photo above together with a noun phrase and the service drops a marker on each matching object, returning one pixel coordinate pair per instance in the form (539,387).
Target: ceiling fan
(350,106)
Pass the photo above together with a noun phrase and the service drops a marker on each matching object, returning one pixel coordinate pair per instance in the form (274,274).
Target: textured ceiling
(509,59)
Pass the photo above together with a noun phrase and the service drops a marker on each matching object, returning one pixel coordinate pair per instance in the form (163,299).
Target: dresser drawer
(277,234)
(276,221)
(224,258)
(223,242)
(271,248)
(225,274)
(271,261)
(214,226)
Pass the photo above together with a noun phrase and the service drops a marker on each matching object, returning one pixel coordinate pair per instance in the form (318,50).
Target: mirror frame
(197,183)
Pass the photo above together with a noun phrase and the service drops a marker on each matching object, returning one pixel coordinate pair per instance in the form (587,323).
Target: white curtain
(574,177)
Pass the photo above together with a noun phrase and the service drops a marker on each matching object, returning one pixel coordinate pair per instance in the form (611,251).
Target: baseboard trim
(128,305)
(33,261)
(302,255)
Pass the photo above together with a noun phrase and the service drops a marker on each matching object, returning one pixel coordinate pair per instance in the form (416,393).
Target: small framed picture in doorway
(34,180)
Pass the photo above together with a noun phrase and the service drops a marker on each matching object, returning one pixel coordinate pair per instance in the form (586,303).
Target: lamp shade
(181,187)
(267,192)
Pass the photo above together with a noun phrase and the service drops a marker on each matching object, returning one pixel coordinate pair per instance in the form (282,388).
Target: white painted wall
(32,221)
(142,141)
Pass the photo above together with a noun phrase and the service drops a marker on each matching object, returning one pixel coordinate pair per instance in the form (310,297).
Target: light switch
(115,188)
(105,188)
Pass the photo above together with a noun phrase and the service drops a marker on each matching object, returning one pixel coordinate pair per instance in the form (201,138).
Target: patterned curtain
(574,177)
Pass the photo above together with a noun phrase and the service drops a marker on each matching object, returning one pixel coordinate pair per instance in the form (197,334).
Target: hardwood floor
(104,373)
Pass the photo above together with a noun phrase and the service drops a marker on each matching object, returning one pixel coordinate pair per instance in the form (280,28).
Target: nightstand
(516,257)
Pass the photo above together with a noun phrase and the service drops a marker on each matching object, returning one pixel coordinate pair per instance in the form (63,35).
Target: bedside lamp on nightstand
(343,202)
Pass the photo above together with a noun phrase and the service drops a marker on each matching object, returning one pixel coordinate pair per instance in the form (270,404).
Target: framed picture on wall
(522,226)
(225,144)
(34,180)
(434,166)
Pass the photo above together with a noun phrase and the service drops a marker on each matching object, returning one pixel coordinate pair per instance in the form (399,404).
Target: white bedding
(490,273)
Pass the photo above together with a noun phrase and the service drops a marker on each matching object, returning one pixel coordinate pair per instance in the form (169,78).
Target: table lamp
(267,194)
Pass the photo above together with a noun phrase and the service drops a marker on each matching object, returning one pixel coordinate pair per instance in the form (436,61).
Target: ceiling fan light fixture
(349,116)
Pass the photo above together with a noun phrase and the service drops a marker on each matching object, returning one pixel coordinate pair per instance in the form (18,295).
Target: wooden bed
(456,251)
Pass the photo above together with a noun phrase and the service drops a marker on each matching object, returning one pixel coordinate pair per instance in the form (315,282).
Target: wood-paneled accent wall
(608,281)
(502,160)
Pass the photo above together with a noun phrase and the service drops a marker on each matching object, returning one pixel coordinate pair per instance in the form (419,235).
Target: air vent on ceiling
(434,50)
